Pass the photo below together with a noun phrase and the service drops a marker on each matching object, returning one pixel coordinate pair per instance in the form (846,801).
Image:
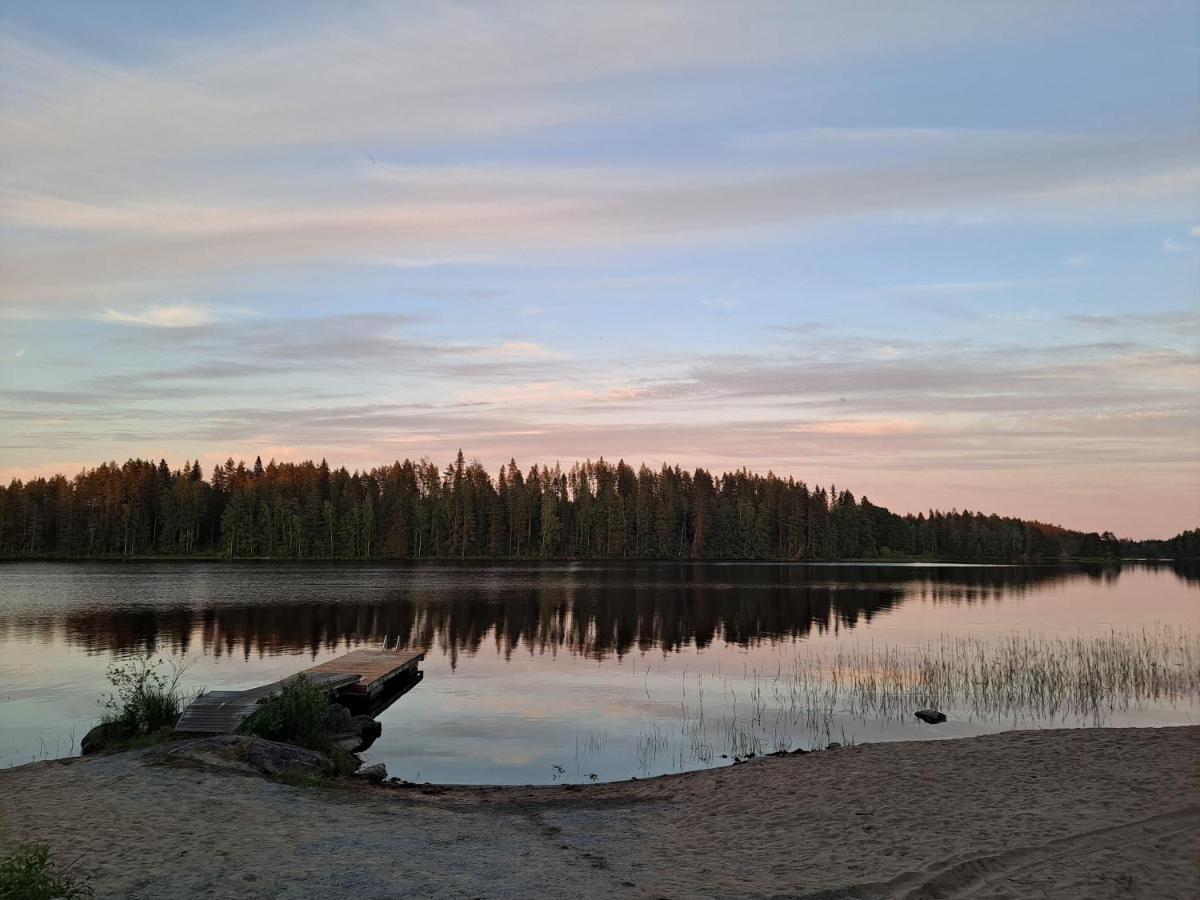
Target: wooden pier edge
(359,675)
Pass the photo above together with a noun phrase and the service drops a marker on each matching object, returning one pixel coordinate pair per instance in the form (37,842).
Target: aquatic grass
(1013,678)
(1016,676)
(590,746)
(651,744)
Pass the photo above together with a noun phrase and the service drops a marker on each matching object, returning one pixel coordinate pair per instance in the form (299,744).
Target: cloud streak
(179,315)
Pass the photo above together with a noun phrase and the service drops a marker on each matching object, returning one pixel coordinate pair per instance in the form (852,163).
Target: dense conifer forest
(416,510)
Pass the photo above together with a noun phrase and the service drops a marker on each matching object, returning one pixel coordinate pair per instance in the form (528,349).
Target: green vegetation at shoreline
(30,872)
(592,511)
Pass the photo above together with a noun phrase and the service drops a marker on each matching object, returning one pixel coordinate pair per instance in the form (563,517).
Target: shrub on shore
(143,708)
(145,698)
(299,715)
(30,873)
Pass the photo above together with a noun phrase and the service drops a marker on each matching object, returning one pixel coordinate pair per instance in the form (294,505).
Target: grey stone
(340,719)
(365,726)
(101,737)
(243,753)
(374,773)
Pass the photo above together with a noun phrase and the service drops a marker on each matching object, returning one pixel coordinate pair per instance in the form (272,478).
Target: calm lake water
(559,672)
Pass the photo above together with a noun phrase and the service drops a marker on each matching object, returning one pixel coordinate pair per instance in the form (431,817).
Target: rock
(340,719)
(243,753)
(374,773)
(365,726)
(930,716)
(357,733)
(833,745)
(351,743)
(102,736)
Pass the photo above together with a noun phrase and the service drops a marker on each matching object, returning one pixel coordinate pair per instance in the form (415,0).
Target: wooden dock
(374,668)
(357,677)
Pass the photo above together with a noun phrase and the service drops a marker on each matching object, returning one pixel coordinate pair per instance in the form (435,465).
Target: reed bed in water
(1016,676)
(1022,679)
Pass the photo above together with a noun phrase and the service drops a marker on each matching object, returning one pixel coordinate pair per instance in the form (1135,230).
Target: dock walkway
(358,675)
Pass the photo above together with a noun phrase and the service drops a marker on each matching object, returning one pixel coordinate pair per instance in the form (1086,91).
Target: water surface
(559,671)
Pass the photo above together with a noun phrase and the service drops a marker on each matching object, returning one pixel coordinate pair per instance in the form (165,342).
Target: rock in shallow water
(931,716)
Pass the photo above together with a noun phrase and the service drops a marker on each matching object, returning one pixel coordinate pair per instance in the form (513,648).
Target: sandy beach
(1072,813)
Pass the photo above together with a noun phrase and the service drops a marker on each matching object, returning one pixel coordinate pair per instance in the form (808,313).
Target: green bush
(29,873)
(145,700)
(298,715)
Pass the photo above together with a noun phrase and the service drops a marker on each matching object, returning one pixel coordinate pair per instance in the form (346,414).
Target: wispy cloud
(178,315)
(723,304)
(955,288)
(533,220)
(514,227)
(515,350)
(247,173)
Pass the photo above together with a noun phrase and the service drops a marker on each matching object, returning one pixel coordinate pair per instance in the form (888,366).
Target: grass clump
(30,873)
(299,715)
(297,778)
(145,699)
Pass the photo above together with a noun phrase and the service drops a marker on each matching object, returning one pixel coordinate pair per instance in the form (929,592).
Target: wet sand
(1087,813)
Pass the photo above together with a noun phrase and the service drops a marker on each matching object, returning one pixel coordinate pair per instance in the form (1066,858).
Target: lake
(574,672)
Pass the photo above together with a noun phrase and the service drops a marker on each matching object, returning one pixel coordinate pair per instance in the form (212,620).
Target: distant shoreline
(892,560)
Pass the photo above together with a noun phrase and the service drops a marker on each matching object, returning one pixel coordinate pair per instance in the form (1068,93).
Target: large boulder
(366,727)
(357,733)
(103,737)
(340,720)
(245,754)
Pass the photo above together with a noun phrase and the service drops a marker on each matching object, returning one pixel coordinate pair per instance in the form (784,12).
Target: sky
(943,254)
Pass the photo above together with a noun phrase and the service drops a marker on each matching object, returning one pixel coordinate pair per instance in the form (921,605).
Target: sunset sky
(943,254)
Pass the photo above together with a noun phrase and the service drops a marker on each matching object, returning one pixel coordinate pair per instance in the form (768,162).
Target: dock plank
(373,667)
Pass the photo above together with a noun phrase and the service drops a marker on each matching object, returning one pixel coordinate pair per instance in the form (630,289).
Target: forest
(417,510)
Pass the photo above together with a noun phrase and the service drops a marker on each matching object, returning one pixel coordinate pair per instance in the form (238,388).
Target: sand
(1066,814)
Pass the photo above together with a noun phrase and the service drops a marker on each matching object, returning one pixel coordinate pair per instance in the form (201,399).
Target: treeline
(416,510)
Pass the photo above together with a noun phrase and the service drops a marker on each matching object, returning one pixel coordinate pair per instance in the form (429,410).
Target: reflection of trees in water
(1187,569)
(595,611)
